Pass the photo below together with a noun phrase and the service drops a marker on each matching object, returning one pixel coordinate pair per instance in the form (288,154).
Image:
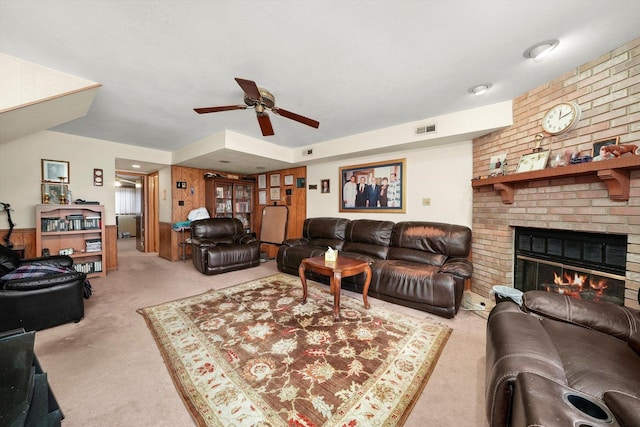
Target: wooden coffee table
(336,270)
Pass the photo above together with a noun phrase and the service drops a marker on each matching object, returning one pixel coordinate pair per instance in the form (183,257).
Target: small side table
(183,242)
(336,270)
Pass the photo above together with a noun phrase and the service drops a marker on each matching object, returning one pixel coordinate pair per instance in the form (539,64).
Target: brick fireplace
(608,91)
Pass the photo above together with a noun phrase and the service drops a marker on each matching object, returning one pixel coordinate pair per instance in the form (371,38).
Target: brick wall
(608,92)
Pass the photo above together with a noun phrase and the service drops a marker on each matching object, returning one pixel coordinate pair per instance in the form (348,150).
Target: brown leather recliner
(562,361)
(39,293)
(220,245)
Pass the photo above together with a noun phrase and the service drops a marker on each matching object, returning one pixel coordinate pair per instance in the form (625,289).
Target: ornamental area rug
(254,355)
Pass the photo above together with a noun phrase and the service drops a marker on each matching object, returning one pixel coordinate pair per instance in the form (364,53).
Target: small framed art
(533,162)
(55,171)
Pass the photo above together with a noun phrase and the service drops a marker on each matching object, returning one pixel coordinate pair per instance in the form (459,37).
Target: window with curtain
(128,201)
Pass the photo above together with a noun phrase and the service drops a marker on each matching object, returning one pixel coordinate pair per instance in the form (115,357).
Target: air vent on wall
(307,152)
(425,129)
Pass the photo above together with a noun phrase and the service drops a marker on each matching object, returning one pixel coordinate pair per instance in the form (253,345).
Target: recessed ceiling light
(137,166)
(539,50)
(480,89)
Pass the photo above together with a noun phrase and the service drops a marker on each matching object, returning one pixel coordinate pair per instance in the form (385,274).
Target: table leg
(303,279)
(336,282)
(365,291)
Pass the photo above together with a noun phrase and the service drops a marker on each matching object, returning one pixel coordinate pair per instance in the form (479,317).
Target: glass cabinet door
(224,200)
(242,195)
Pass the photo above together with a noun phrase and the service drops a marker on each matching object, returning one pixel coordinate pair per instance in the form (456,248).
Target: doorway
(137,209)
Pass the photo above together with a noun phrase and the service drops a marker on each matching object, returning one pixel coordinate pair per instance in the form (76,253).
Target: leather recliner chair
(220,245)
(35,301)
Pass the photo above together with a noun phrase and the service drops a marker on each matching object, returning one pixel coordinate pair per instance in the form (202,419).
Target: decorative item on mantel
(538,140)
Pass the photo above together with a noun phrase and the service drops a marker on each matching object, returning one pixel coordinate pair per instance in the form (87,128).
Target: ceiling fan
(261,100)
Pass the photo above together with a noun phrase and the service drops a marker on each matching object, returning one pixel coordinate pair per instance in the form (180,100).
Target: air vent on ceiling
(307,152)
(425,129)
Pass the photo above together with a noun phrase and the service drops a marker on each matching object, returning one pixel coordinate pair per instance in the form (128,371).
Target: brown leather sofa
(422,265)
(561,361)
(220,245)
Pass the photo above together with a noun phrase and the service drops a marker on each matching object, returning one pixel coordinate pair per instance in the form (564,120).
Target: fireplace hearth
(579,264)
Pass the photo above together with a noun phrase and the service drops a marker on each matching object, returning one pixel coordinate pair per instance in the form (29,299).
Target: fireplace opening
(579,264)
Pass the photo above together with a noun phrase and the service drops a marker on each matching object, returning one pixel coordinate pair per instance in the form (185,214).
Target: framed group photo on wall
(55,171)
(373,187)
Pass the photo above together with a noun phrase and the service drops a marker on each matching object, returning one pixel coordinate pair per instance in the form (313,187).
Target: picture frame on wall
(52,193)
(262,181)
(374,187)
(288,180)
(533,162)
(55,171)
(262,197)
(274,180)
(325,186)
(275,193)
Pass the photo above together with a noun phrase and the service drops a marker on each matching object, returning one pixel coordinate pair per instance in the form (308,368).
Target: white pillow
(200,213)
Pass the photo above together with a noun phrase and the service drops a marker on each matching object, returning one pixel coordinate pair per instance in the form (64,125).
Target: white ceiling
(353,65)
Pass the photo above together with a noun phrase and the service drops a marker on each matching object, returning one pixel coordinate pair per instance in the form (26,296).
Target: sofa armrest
(42,282)
(461,267)
(300,241)
(244,239)
(203,243)
(611,319)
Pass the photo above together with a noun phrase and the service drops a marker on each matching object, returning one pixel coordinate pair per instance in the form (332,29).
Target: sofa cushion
(415,282)
(429,242)
(594,362)
(368,237)
(324,232)
(601,316)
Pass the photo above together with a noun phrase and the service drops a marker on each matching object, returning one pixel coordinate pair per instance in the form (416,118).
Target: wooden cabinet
(77,230)
(228,198)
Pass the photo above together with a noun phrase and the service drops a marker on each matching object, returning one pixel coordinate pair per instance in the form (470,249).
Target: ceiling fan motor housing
(268,100)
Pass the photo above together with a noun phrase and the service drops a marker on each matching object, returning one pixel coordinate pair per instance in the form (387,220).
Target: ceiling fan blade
(250,88)
(217,109)
(297,117)
(265,124)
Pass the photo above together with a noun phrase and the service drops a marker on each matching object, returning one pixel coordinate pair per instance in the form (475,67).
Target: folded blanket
(34,270)
(181,225)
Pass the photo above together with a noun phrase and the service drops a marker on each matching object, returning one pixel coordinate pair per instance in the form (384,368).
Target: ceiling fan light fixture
(541,49)
(480,89)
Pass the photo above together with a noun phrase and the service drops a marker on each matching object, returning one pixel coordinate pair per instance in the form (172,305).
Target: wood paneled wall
(194,197)
(22,237)
(111,246)
(296,202)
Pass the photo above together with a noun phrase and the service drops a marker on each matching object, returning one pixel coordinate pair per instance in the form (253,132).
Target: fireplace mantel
(614,173)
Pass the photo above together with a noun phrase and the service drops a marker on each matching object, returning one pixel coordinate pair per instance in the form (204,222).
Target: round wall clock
(561,118)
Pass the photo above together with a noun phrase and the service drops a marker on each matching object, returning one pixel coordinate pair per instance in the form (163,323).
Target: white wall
(442,173)
(20,170)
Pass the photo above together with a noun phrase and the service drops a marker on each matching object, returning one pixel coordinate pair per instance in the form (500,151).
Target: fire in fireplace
(582,265)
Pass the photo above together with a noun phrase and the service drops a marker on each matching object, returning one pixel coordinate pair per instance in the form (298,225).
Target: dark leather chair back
(429,242)
(325,232)
(210,228)
(368,237)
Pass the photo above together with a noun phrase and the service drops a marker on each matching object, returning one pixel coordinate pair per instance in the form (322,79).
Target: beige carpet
(254,354)
(106,370)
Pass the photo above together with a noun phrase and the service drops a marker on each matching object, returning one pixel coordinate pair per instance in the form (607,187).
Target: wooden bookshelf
(79,228)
